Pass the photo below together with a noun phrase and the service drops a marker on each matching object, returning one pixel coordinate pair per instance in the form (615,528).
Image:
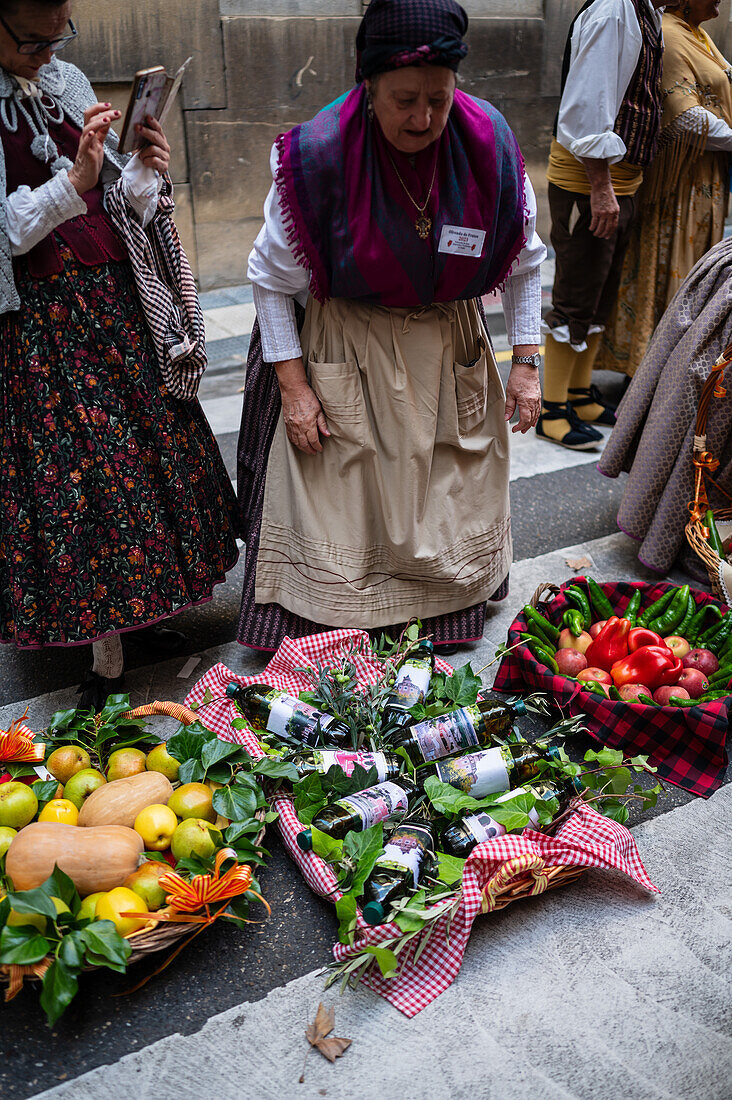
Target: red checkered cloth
(687,745)
(585,840)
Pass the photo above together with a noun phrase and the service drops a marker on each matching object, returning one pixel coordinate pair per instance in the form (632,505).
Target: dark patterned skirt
(115,506)
(263,626)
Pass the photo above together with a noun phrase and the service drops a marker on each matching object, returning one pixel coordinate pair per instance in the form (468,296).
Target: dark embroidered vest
(639,118)
(90,237)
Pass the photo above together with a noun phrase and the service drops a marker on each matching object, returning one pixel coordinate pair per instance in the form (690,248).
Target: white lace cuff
(32,213)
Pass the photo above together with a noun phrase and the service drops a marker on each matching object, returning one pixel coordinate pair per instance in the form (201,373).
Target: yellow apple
(18,805)
(125,762)
(89,905)
(193,800)
(62,810)
(36,920)
(195,837)
(160,760)
(81,785)
(6,838)
(145,883)
(119,901)
(156,825)
(66,761)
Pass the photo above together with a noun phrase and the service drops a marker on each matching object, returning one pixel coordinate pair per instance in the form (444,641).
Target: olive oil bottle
(387,801)
(413,677)
(491,771)
(409,854)
(268,709)
(323,760)
(458,730)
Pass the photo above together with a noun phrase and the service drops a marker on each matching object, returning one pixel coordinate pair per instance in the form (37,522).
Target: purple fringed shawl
(350,223)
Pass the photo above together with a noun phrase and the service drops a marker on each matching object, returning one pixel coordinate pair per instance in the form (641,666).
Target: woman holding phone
(115,507)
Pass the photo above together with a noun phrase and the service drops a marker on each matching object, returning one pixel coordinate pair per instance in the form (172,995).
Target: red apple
(703,659)
(663,694)
(567,640)
(678,645)
(598,674)
(630,692)
(570,661)
(694,681)
(596,628)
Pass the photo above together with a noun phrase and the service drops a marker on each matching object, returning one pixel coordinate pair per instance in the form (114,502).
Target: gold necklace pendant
(423,225)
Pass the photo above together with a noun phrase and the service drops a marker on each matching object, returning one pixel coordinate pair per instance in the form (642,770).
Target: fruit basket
(197,890)
(705,465)
(686,744)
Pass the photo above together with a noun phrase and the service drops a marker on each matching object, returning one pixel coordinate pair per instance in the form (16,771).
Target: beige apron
(406,510)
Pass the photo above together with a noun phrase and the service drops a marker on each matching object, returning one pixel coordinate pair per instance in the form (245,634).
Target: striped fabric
(166,289)
(585,840)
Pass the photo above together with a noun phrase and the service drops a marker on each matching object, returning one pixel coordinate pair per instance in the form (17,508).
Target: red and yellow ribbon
(205,890)
(17,744)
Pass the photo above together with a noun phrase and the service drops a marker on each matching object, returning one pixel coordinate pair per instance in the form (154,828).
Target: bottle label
(478,774)
(292,717)
(447,734)
(483,826)
(407,848)
(376,803)
(325,759)
(412,682)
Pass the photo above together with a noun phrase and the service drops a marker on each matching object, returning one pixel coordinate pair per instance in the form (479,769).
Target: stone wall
(260,66)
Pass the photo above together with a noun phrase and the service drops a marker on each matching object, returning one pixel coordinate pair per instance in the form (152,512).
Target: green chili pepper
(631,611)
(656,608)
(695,627)
(572,619)
(647,701)
(599,600)
(580,601)
(712,631)
(674,701)
(723,675)
(542,655)
(594,686)
(615,694)
(686,621)
(711,696)
(666,624)
(720,636)
(714,540)
(548,629)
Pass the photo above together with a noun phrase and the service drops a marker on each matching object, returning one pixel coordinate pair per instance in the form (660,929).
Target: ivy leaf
(188,743)
(463,686)
(606,758)
(241,829)
(340,784)
(386,959)
(327,847)
(44,790)
(59,885)
(412,917)
(215,751)
(154,857)
(58,991)
(364,848)
(34,901)
(61,721)
(238,803)
(276,769)
(191,771)
(103,939)
(450,869)
(72,950)
(619,780)
(617,811)
(346,912)
(309,797)
(22,945)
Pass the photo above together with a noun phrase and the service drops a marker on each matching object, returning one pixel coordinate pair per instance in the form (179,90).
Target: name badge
(458,241)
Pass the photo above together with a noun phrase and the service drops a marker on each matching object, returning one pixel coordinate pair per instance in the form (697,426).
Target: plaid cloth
(394,33)
(585,840)
(167,290)
(686,745)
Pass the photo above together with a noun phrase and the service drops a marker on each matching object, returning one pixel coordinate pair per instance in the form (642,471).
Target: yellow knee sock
(581,377)
(559,360)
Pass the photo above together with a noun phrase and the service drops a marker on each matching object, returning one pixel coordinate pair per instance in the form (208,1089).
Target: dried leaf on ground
(318,1031)
(578,564)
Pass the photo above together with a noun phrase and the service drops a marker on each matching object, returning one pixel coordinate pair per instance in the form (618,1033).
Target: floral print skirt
(115,506)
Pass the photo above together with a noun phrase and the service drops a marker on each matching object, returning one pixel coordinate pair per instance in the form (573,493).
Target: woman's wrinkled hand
(84,173)
(523,392)
(304,418)
(156,152)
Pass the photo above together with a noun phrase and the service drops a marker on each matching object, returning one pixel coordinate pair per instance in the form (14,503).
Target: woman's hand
(304,417)
(156,153)
(84,173)
(523,392)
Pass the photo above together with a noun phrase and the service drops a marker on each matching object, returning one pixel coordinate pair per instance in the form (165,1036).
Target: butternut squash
(94,859)
(119,802)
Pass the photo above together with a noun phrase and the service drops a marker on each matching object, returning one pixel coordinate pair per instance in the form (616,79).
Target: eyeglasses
(35,46)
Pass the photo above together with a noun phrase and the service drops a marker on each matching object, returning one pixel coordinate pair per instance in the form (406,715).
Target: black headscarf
(396,33)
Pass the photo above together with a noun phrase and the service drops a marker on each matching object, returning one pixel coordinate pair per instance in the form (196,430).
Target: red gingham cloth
(585,840)
(687,745)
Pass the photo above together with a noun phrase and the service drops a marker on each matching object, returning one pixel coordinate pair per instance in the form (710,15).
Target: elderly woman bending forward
(374,452)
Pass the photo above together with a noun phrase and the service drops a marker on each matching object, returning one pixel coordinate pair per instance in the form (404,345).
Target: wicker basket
(524,877)
(697,533)
(158,934)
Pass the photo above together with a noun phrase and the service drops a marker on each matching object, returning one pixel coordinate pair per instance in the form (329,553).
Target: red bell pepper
(653,665)
(610,645)
(639,636)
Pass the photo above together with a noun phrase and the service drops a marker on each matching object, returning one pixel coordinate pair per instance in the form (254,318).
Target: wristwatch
(530,360)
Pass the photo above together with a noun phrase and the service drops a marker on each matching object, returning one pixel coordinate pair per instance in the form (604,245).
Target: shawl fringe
(296,233)
(678,150)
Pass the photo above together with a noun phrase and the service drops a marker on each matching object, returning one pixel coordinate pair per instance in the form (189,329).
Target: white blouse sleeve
(606,45)
(141,186)
(33,213)
(697,119)
(522,297)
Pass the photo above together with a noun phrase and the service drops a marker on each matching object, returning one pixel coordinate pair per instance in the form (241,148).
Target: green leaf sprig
(100,733)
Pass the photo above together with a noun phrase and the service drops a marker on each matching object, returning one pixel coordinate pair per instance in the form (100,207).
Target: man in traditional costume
(606,133)
(374,450)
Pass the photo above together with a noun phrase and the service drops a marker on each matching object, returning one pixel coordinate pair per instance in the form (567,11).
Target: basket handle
(172,710)
(704,460)
(546,590)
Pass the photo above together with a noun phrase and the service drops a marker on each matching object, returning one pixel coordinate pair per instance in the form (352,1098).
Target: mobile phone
(153,93)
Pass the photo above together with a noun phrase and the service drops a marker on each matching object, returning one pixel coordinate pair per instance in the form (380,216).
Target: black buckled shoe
(580,437)
(592,396)
(95,689)
(158,639)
